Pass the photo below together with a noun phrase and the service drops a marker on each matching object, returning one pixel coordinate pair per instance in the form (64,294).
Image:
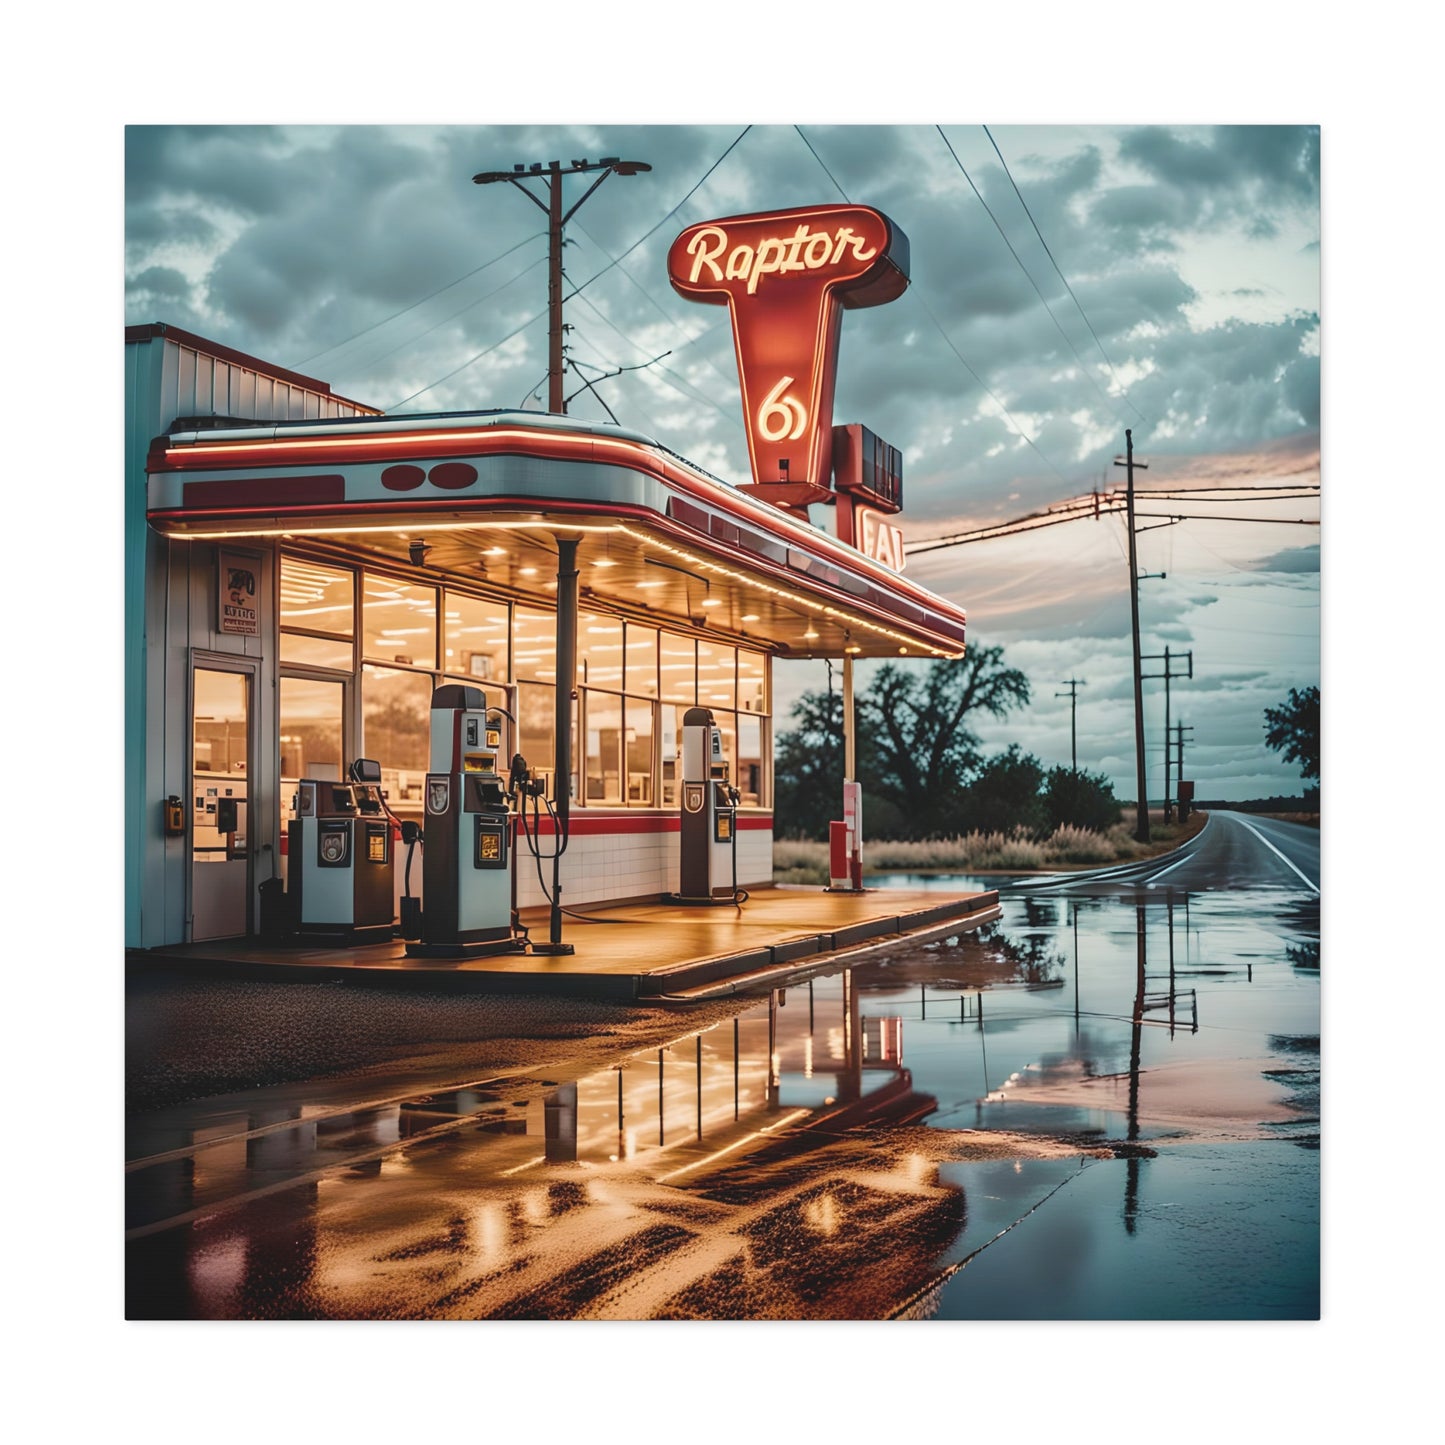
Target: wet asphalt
(1104,1106)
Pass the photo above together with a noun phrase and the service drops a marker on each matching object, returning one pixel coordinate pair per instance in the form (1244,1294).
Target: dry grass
(1016,852)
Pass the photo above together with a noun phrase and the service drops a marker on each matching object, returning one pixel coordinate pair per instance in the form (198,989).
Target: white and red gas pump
(708,847)
(467,853)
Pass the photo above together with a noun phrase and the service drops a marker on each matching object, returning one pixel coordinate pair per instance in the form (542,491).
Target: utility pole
(1141,829)
(1166,675)
(1179,730)
(550,176)
(1073,684)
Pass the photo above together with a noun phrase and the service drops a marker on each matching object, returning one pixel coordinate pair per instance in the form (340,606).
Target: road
(1234,850)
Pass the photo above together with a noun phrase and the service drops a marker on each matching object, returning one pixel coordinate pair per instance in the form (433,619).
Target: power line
(471,306)
(1098,504)
(983,386)
(1083,367)
(819,159)
(516,330)
(440,289)
(1122,389)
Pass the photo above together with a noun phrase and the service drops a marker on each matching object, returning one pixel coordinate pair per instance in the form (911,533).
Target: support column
(562,756)
(852,793)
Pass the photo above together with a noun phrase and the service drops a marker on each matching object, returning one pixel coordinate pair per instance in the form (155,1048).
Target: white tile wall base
(597,867)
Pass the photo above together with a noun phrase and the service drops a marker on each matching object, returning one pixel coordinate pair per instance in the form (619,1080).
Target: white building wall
(170,617)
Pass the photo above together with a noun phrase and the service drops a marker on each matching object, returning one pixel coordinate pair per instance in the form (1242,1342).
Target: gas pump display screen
(377,837)
(491,849)
(723,828)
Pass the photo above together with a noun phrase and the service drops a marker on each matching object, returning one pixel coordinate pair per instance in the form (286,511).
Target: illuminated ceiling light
(810,633)
(527,571)
(750,617)
(604,562)
(712,601)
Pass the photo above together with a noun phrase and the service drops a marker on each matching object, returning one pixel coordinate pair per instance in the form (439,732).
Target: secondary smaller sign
(239,610)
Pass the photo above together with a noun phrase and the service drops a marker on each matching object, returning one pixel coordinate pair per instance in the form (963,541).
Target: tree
(808,768)
(921,752)
(1294,728)
(915,755)
(1079,800)
(1004,795)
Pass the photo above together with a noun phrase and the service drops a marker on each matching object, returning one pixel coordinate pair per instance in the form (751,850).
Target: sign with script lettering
(786,277)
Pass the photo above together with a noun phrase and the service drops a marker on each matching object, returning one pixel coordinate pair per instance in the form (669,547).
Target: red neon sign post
(786,277)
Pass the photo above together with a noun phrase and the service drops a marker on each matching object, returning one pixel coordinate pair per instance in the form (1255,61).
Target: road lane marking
(1276,852)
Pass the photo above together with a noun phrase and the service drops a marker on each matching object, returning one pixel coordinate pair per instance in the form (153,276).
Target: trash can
(275,920)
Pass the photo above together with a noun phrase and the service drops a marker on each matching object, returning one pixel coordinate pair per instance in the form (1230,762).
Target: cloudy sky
(1068,282)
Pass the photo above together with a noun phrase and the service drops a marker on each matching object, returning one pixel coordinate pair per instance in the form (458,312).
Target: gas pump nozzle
(519,775)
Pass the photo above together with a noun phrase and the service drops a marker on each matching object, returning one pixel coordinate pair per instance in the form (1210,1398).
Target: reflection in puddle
(816,1156)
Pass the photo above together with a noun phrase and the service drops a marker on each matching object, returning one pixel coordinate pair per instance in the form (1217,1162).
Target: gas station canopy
(484,496)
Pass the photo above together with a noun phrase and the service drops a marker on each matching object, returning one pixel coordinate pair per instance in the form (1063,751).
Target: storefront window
(635,683)
(604,748)
(534,644)
(315,598)
(752,682)
(641,660)
(716,676)
(599,651)
(318,609)
(749,779)
(396,729)
(536,726)
(299,651)
(476,634)
(637,749)
(678,664)
(311,729)
(399,622)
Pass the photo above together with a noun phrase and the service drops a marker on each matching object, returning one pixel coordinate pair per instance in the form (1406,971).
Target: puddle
(1072,1113)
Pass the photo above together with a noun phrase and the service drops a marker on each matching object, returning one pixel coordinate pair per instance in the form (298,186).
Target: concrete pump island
(484,699)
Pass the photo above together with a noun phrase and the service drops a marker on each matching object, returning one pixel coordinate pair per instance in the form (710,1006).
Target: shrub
(1079,800)
(1004,794)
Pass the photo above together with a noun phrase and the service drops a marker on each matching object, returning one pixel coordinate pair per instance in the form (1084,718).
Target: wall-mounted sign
(785,276)
(239,596)
(877,538)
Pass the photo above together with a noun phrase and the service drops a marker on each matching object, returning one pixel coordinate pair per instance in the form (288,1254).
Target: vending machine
(467,855)
(708,871)
(341,862)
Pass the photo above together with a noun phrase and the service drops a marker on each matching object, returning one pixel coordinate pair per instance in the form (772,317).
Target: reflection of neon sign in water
(786,277)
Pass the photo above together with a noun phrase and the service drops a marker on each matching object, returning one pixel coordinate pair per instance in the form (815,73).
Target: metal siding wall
(170,609)
(145,378)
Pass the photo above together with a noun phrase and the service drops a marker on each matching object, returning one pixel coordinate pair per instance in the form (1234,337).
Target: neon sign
(880,540)
(786,277)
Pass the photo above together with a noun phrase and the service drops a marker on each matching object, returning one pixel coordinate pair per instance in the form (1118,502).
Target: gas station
(434,695)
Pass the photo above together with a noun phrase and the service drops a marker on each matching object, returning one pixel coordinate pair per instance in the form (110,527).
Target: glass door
(221,705)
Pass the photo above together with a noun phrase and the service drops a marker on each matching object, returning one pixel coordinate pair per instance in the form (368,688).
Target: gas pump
(709,845)
(342,865)
(467,863)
